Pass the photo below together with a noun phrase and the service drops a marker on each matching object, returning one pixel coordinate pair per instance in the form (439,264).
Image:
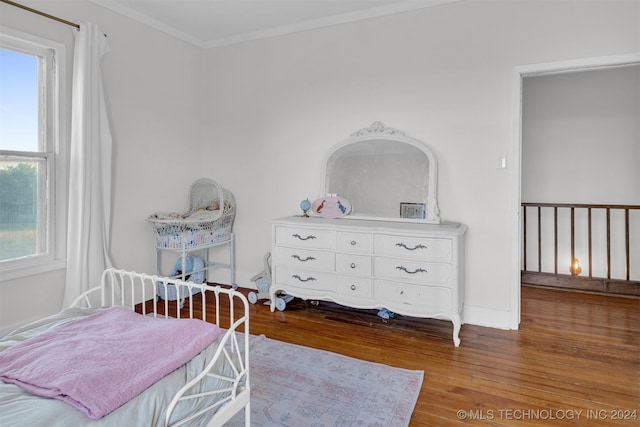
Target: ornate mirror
(384,174)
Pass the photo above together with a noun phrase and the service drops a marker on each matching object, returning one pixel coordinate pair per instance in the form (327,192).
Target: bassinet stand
(208,265)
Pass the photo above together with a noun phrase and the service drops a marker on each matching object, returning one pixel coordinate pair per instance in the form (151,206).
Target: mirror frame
(378,131)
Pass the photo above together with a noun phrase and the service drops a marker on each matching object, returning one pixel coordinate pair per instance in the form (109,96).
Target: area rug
(298,386)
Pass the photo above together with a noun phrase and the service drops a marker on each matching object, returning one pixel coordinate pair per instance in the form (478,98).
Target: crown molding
(114,6)
(345,18)
(391,9)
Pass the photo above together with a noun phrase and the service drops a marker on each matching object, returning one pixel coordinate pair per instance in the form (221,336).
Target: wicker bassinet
(185,232)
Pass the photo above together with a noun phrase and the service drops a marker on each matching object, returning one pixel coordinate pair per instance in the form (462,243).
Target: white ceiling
(211,23)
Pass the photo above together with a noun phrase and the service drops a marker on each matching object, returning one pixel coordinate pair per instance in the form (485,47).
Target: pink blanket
(100,362)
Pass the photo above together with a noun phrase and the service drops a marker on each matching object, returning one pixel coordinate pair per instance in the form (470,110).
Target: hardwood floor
(574,361)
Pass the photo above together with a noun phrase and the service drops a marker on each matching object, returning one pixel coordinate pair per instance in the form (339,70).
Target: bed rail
(139,292)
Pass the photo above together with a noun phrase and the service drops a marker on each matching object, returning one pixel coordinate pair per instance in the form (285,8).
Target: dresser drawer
(303,258)
(415,271)
(305,237)
(414,247)
(354,286)
(306,279)
(359,265)
(354,242)
(411,269)
(429,299)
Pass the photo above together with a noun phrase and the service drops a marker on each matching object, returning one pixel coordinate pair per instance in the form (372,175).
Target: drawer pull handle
(353,243)
(402,245)
(308,279)
(417,270)
(309,258)
(311,236)
(353,265)
(353,287)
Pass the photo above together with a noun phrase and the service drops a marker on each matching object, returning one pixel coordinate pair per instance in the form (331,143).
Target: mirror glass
(384,175)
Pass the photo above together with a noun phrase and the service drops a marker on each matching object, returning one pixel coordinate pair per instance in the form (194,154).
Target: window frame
(52,142)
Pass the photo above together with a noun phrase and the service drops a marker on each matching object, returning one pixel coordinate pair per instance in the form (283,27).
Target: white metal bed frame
(126,288)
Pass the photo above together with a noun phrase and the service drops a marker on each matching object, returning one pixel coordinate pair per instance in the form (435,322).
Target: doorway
(516,174)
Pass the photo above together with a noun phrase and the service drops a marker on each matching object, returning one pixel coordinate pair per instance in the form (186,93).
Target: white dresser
(413,269)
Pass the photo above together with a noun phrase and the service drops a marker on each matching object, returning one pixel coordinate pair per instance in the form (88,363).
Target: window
(30,132)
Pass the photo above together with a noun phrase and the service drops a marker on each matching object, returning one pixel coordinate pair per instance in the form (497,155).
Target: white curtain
(89,218)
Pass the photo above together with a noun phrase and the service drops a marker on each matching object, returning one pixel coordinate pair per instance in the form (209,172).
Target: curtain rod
(37,12)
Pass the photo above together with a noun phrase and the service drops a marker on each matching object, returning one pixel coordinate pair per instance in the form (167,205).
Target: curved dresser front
(410,268)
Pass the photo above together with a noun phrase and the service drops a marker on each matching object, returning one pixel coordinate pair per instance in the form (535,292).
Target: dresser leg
(456,329)
(272,298)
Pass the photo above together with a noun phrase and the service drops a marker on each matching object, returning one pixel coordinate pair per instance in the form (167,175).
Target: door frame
(515,176)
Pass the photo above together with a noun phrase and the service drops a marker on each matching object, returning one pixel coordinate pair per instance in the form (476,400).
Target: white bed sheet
(19,408)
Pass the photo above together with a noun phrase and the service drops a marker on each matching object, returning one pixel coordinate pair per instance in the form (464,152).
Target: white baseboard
(472,315)
(222,276)
(483,316)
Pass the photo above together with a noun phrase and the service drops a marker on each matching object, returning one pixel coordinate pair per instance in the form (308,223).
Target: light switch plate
(501,161)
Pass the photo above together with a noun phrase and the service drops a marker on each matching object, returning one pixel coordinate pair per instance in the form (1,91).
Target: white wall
(259,116)
(581,137)
(442,74)
(153,85)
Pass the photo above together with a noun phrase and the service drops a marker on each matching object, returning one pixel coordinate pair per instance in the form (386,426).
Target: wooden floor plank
(575,359)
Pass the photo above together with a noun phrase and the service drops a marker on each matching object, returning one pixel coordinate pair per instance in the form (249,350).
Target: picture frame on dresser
(377,256)
(412,210)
